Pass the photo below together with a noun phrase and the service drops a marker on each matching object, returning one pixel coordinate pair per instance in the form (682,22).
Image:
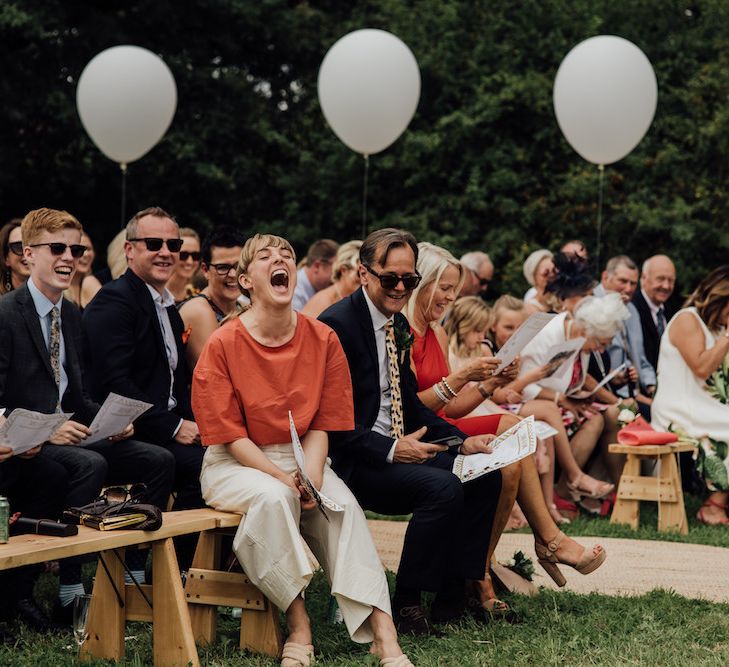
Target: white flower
(626,416)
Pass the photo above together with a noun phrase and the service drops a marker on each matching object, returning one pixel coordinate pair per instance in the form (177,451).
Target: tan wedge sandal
(592,558)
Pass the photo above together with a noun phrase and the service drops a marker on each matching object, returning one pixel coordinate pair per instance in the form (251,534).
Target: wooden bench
(175,626)
(665,489)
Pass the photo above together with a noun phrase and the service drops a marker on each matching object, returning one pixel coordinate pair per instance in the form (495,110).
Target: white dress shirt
(44,306)
(161,303)
(654,307)
(383,423)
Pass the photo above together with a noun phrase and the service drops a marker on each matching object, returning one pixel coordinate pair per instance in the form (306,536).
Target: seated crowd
(222,339)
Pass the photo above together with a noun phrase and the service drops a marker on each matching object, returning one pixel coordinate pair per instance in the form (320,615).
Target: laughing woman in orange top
(252,371)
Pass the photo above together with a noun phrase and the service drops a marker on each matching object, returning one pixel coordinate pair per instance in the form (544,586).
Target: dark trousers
(448,535)
(122,462)
(188,461)
(36,488)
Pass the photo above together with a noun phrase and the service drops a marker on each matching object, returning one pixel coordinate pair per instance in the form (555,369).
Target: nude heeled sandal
(547,557)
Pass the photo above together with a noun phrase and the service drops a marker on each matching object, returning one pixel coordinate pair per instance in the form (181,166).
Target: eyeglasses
(186,254)
(155,245)
(57,249)
(16,247)
(391,280)
(223,269)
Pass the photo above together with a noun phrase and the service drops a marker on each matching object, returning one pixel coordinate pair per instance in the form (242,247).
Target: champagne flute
(81,604)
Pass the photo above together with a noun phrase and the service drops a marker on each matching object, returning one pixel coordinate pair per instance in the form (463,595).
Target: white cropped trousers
(269,544)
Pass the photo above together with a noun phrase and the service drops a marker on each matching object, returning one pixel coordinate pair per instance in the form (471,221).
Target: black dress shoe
(33,616)
(412,620)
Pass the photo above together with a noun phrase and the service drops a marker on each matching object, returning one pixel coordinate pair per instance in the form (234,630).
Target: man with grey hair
(621,276)
(480,273)
(652,300)
(133,347)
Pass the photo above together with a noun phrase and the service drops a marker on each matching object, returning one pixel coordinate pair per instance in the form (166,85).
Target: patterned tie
(396,408)
(661,321)
(54,348)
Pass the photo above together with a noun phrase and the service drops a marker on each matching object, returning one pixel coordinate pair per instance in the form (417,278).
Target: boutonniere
(403,340)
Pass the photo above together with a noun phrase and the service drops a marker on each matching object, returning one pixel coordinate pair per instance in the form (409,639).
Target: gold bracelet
(483,391)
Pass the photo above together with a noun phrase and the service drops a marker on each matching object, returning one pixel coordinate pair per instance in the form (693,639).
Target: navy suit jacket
(26,376)
(125,353)
(651,340)
(350,318)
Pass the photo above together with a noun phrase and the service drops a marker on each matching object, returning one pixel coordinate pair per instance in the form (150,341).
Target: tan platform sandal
(592,558)
(297,655)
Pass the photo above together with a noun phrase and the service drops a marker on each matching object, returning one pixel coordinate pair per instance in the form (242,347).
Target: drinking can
(4,519)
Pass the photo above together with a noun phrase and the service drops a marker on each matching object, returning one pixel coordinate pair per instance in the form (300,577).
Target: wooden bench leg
(260,630)
(174,644)
(106,622)
(671,509)
(627,510)
(204,618)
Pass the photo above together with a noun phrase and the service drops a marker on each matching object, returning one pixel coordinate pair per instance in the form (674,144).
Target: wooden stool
(665,489)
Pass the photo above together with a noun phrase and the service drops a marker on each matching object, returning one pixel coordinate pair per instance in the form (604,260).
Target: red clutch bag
(640,432)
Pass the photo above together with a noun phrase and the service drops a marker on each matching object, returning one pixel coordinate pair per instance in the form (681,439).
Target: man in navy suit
(133,344)
(447,538)
(40,370)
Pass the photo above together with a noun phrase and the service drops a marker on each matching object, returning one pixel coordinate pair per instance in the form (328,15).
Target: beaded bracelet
(440,393)
(448,387)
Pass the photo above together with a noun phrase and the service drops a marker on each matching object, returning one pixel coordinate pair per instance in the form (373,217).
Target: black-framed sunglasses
(391,280)
(187,254)
(16,247)
(57,249)
(155,244)
(223,269)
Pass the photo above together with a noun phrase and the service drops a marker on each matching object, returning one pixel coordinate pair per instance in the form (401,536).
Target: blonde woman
(345,280)
(256,368)
(188,262)
(538,270)
(451,394)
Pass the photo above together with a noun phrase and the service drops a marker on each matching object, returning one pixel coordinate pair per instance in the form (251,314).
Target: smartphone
(450,441)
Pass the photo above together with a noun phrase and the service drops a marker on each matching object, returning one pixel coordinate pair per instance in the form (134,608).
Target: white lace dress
(683,403)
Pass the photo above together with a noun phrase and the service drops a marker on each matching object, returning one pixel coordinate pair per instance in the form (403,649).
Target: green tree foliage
(483,164)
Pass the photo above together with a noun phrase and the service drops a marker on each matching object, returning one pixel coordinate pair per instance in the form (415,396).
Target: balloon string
(123,167)
(364,195)
(601,170)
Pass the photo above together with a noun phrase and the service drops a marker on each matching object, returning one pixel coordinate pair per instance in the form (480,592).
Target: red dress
(430,367)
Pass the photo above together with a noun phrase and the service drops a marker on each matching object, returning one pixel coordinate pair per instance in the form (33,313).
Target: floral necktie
(661,321)
(396,407)
(54,348)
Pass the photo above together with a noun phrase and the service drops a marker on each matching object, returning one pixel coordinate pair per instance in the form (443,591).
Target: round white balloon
(369,87)
(605,95)
(126,98)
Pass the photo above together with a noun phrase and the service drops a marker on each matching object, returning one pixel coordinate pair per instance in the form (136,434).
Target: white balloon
(369,87)
(605,95)
(126,98)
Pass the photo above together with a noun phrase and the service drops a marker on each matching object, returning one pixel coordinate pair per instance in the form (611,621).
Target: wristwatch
(482,391)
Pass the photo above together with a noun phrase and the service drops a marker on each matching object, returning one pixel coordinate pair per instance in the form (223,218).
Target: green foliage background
(482,166)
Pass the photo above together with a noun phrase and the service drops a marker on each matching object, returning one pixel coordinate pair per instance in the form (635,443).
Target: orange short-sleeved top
(243,389)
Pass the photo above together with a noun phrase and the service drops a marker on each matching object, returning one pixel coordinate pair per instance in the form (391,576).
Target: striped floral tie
(54,348)
(396,408)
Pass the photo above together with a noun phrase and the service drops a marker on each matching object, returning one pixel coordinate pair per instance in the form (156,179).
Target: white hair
(473,260)
(602,316)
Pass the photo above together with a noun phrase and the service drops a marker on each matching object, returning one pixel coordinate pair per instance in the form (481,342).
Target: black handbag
(117,508)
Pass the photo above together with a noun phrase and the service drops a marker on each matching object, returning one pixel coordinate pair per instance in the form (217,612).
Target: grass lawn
(558,628)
